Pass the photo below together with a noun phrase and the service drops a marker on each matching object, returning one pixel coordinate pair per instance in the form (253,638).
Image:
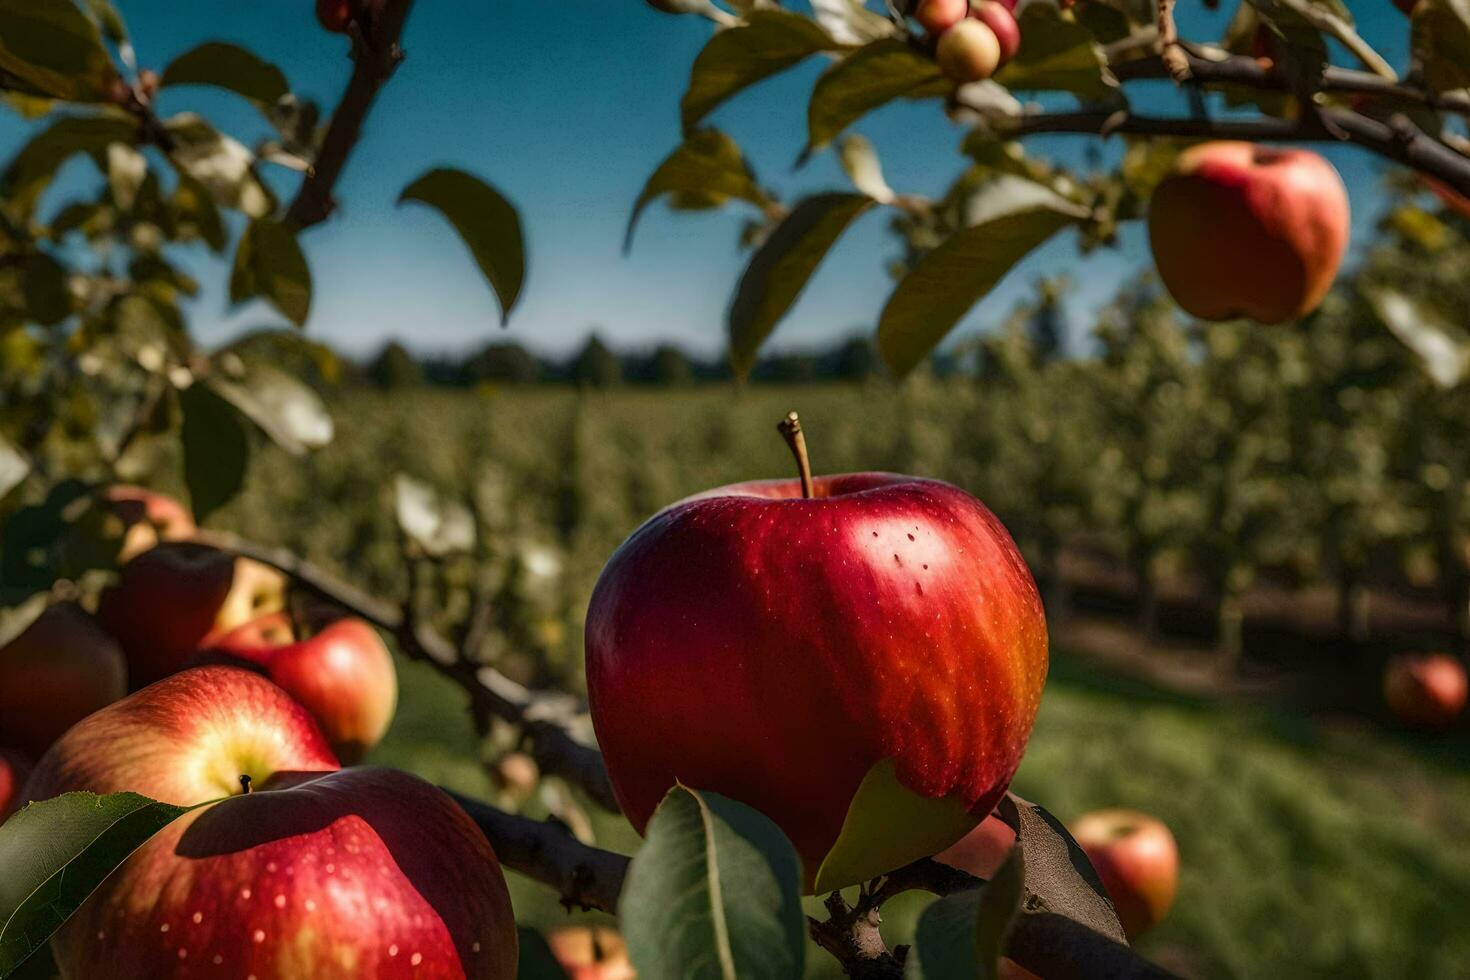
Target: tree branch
(376,54)
(545,718)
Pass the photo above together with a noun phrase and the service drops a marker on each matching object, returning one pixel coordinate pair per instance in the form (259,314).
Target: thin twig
(376,54)
(1173,55)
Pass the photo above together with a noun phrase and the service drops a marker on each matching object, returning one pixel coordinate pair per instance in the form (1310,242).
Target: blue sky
(567,106)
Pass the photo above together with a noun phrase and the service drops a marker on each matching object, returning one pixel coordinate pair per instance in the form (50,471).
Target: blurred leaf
(769,42)
(30,535)
(14,467)
(713,892)
(486,222)
(28,106)
(287,411)
(221,164)
(57,852)
(269,263)
(860,163)
(948,281)
(1440,41)
(47,290)
(437,525)
(126,169)
(707,162)
(536,961)
(110,22)
(195,212)
(868,78)
(55,47)
(963,935)
(1058,54)
(34,166)
(15,619)
(1442,351)
(851,22)
(231,67)
(781,267)
(216,449)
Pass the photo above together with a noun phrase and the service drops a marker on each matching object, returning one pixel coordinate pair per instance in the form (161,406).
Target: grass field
(1311,847)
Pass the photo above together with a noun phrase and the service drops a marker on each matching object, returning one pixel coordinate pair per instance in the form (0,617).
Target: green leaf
(269,263)
(286,410)
(14,467)
(1058,54)
(713,893)
(231,67)
(1442,350)
(437,524)
(53,46)
(1440,41)
(32,169)
(851,22)
(536,961)
(221,164)
(780,269)
(216,449)
(487,223)
(944,284)
(870,77)
(45,284)
(196,214)
(57,852)
(707,163)
(963,935)
(770,41)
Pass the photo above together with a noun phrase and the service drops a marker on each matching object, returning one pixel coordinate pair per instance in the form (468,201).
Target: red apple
(983,850)
(786,652)
(1136,858)
(1428,690)
(591,953)
(58,671)
(13,772)
(176,598)
(968,52)
(938,16)
(343,675)
(320,872)
(336,15)
(998,17)
(1240,230)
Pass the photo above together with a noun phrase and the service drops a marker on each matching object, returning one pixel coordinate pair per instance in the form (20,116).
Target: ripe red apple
(1425,689)
(1136,858)
(1244,230)
(938,16)
(178,597)
(343,675)
(591,953)
(58,671)
(968,52)
(320,872)
(983,850)
(13,772)
(336,15)
(786,652)
(998,17)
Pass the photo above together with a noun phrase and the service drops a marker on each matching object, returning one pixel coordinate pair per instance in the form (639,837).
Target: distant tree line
(597,365)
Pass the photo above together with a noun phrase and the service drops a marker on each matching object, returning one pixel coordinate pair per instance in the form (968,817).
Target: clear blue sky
(567,106)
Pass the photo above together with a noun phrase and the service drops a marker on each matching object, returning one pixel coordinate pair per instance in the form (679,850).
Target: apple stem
(790,428)
(245,784)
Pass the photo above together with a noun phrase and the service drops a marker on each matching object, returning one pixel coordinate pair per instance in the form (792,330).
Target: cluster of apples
(973,39)
(302,868)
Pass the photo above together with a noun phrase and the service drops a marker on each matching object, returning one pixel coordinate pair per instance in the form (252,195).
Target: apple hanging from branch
(858,657)
(1280,216)
(319,872)
(58,671)
(343,674)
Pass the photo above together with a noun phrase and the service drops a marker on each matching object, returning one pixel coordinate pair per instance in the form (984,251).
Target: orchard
(311,669)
